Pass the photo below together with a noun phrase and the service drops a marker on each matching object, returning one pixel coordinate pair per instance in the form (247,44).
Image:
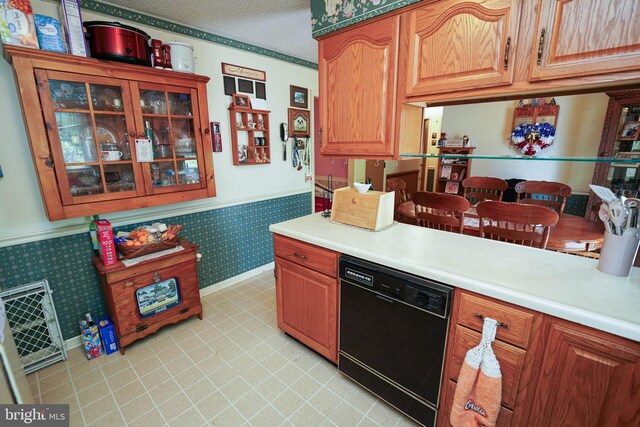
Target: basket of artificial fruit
(148,239)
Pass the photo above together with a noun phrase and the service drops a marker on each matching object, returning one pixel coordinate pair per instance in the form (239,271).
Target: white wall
(489,127)
(22,216)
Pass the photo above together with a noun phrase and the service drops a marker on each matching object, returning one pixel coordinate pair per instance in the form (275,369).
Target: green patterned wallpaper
(232,240)
(331,15)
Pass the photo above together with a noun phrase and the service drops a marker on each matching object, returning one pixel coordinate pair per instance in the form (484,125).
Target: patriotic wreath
(532,138)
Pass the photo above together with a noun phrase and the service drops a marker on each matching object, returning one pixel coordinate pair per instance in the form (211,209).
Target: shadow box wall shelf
(250,140)
(94,114)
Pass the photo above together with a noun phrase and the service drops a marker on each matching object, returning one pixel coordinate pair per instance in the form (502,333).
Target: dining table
(571,232)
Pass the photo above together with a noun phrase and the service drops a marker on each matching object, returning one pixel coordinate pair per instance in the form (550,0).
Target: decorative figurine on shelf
(465,140)
(521,103)
(250,124)
(552,102)
(530,139)
(240,125)
(442,140)
(260,123)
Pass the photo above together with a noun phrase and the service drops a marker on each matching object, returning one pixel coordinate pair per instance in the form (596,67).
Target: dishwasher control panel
(416,291)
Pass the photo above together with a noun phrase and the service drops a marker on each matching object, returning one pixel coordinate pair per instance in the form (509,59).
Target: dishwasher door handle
(385,299)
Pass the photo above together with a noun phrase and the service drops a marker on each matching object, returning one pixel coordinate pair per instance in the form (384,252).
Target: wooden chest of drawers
(120,284)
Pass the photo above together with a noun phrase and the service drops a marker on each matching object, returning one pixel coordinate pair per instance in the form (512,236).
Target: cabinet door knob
(354,200)
(156,277)
(206,130)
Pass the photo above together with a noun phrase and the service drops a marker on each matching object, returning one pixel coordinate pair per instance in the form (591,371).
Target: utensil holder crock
(617,254)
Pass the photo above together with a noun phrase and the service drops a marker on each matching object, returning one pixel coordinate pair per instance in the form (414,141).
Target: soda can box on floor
(16,23)
(108,335)
(91,342)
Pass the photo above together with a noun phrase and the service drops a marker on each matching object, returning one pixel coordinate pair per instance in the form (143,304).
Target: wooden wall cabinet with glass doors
(620,138)
(83,143)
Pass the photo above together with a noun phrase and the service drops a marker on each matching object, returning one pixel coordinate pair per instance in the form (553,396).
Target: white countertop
(561,285)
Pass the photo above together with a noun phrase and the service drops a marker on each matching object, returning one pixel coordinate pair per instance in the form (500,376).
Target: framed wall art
(629,131)
(299,122)
(241,101)
(299,97)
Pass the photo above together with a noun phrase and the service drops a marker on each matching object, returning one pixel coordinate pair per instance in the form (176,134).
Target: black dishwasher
(393,333)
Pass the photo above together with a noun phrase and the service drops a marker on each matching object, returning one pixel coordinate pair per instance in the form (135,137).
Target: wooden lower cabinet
(588,379)
(307,298)
(554,372)
(120,285)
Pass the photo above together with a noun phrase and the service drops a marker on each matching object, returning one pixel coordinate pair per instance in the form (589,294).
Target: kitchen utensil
(117,42)
(617,215)
(631,232)
(181,56)
(603,214)
(603,192)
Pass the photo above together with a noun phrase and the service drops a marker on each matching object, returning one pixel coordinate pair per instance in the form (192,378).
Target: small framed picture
(241,101)
(635,109)
(299,97)
(299,122)
(434,135)
(629,131)
(216,136)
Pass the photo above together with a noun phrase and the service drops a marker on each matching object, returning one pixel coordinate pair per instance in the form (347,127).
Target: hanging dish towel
(476,402)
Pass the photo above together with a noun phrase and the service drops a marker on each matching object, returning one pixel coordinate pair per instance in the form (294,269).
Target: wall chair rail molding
(163,24)
(138,216)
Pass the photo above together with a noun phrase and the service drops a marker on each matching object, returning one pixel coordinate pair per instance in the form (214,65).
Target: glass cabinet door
(170,119)
(88,121)
(624,178)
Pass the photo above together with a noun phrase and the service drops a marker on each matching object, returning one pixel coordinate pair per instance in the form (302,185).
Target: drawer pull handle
(128,284)
(300,255)
(156,277)
(504,325)
(184,310)
(141,328)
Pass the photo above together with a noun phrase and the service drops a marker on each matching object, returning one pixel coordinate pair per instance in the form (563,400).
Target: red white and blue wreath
(532,138)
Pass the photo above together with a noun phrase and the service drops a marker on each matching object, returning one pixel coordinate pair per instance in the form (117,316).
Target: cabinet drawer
(511,361)
(520,320)
(123,296)
(504,416)
(310,256)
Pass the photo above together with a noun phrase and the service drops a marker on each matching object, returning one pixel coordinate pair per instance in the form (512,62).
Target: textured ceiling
(280,25)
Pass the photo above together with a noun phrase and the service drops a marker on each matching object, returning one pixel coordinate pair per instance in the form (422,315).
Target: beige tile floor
(234,368)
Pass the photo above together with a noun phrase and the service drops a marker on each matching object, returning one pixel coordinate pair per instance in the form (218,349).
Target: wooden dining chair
(399,187)
(440,211)
(526,225)
(543,193)
(480,188)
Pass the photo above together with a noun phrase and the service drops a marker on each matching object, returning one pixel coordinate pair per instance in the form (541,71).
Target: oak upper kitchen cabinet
(307,294)
(358,70)
(585,37)
(453,45)
(83,118)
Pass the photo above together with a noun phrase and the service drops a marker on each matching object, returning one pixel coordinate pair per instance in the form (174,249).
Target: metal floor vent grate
(34,325)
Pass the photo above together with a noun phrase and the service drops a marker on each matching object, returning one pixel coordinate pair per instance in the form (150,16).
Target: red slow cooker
(117,42)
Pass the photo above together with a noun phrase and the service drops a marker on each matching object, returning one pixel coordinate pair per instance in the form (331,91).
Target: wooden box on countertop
(372,210)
